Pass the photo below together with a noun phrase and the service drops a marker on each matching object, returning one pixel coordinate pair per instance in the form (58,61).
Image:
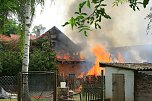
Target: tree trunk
(25,62)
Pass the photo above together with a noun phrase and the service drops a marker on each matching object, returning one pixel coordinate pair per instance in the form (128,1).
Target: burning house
(68,53)
(123,81)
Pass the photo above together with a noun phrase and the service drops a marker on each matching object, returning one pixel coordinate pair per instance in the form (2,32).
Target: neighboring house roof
(5,38)
(131,66)
(135,53)
(13,37)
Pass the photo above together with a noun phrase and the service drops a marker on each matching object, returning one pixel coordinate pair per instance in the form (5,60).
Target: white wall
(129,82)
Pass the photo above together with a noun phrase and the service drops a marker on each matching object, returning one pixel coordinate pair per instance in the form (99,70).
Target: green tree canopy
(10,27)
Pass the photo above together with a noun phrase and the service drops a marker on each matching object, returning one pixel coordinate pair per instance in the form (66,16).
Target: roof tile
(132,66)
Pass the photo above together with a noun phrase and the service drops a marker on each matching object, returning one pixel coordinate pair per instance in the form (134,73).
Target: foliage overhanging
(83,20)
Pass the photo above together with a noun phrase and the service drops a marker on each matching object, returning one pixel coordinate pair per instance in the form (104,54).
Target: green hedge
(42,58)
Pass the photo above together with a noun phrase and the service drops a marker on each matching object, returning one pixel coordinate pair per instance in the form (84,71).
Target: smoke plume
(126,28)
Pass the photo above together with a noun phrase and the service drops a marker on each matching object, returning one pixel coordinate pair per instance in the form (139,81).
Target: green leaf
(85,33)
(107,16)
(77,23)
(99,26)
(80,17)
(84,13)
(133,7)
(100,18)
(96,1)
(83,26)
(72,22)
(77,13)
(83,29)
(81,6)
(138,8)
(91,22)
(103,5)
(95,25)
(88,3)
(97,6)
(66,23)
(145,2)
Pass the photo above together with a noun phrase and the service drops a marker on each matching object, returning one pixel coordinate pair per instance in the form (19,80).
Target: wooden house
(68,53)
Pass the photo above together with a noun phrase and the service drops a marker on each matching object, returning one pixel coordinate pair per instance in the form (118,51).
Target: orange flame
(58,56)
(101,56)
(81,75)
(63,56)
(81,56)
(66,56)
(120,58)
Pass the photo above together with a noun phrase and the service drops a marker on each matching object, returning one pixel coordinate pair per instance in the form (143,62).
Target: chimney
(38,33)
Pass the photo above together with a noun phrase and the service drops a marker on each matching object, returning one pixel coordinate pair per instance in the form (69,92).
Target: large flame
(102,55)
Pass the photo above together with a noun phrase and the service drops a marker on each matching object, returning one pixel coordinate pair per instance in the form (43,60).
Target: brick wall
(143,86)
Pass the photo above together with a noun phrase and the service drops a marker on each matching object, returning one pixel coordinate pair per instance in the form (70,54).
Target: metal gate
(87,88)
(92,88)
(37,86)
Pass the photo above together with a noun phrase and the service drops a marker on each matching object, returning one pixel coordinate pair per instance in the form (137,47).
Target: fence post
(55,87)
(19,86)
(102,85)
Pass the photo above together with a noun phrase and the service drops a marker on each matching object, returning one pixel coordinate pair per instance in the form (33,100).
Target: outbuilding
(125,81)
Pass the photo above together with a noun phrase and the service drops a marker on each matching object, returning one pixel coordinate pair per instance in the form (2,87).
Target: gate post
(55,87)
(19,87)
(102,85)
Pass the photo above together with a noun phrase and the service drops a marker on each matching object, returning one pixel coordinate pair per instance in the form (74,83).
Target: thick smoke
(126,28)
(137,56)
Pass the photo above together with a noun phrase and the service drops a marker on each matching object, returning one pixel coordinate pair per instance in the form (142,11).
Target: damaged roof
(131,66)
(5,38)
(65,48)
(60,40)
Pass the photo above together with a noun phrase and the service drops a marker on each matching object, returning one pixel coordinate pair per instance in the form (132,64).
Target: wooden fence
(90,87)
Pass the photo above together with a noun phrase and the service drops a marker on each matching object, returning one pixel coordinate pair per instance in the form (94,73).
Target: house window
(53,44)
(71,75)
